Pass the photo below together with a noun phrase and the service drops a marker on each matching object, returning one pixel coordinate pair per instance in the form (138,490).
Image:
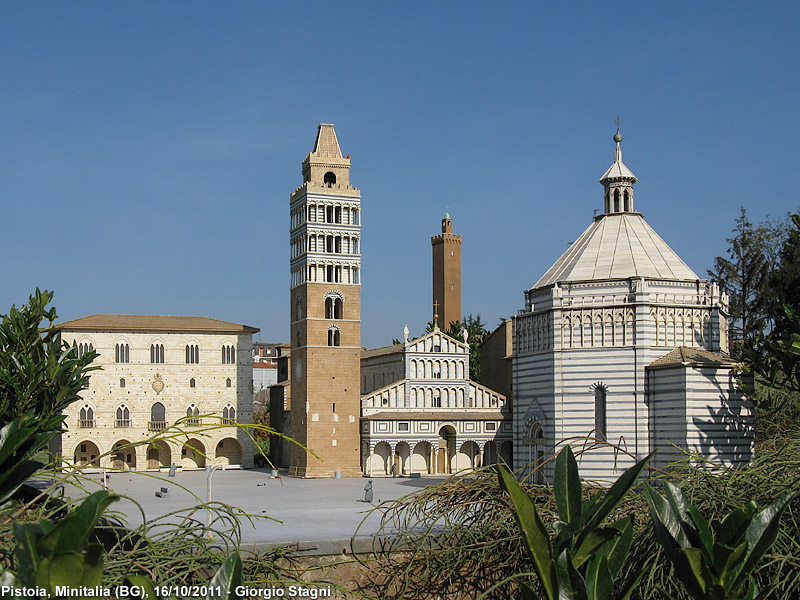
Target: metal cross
(617,121)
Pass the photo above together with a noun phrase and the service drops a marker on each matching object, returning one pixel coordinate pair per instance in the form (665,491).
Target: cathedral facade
(621,342)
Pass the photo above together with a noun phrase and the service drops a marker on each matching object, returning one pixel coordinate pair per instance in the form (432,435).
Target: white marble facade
(593,327)
(420,413)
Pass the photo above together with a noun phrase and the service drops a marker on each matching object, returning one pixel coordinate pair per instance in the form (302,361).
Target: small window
(329,178)
(600,397)
(334,337)
(122,382)
(228,382)
(402,427)
(83,448)
(491,427)
(191,382)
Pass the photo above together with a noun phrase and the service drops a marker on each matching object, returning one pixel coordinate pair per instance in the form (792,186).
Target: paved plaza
(322,514)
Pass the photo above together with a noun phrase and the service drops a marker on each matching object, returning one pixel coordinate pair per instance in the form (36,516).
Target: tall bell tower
(325,318)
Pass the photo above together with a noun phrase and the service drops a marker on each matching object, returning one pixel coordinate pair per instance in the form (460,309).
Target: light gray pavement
(323,513)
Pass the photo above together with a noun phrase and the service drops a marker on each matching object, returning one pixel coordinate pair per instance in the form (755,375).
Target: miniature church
(621,342)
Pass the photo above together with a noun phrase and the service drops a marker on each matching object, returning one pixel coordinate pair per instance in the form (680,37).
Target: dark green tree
(40,375)
(783,281)
(743,276)
(775,357)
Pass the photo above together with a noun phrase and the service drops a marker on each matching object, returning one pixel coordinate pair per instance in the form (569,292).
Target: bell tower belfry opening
(446,275)
(325,265)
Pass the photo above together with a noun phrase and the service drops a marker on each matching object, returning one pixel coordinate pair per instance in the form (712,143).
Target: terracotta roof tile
(155,323)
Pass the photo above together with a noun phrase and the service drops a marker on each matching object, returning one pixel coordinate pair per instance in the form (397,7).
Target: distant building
(621,341)
(497,353)
(446,250)
(178,375)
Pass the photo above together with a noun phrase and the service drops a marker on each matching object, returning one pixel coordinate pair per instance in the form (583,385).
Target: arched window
(122,382)
(192,354)
(192,383)
(334,337)
(192,415)
(228,355)
(229,414)
(158,417)
(156,353)
(600,393)
(85,347)
(627,202)
(123,417)
(122,353)
(329,178)
(228,382)
(616,200)
(86,416)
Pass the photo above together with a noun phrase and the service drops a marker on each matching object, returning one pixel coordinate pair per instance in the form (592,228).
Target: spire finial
(618,135)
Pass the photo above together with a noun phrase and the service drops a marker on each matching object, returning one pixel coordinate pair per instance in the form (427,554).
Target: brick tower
(446,275)
(325,314)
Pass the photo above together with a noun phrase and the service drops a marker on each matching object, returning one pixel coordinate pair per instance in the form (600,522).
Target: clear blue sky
(148,149)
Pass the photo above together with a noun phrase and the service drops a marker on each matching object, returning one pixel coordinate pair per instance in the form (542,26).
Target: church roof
(155,323)
(685,355)
(617,246)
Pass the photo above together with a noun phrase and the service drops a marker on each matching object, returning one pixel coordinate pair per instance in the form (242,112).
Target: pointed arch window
(616,200)
(229,414)
(86,416)
(156,353)
(193,415)
(228,355)
(627,204)
(85,347)
(123,417)
(122,353)
(192,354)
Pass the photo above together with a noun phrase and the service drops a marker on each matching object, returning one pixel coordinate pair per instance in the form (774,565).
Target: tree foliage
(40,374)
(742,275)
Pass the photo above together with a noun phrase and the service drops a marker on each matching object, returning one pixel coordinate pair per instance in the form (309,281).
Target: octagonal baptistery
(620,341)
